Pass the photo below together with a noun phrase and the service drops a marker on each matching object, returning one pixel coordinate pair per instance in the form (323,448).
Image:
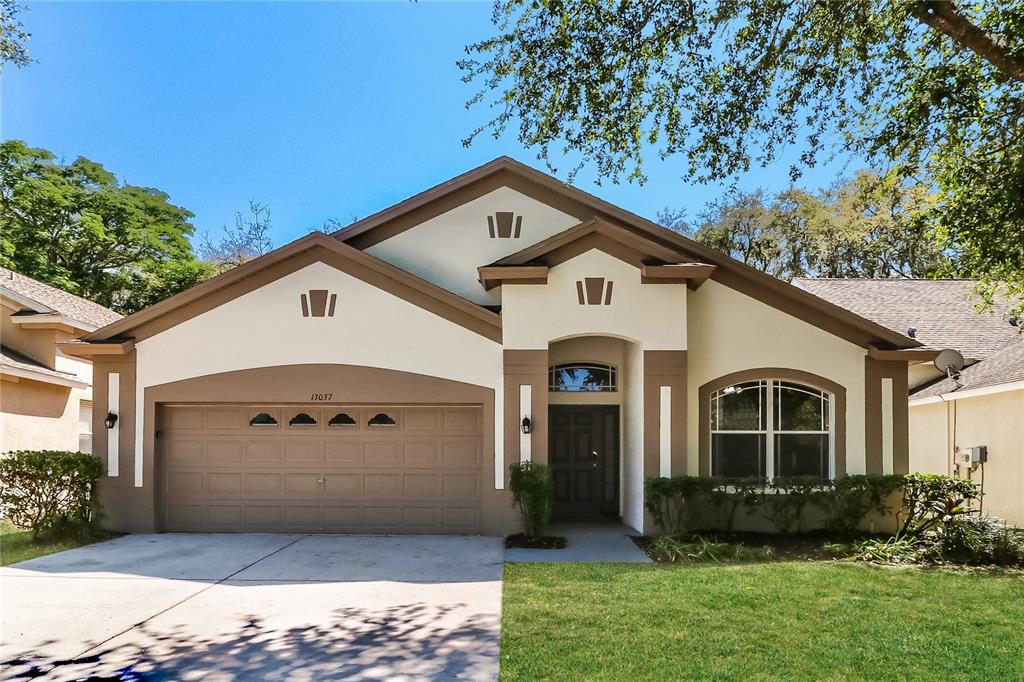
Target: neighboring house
(45,395)
(983,406)
(383,378)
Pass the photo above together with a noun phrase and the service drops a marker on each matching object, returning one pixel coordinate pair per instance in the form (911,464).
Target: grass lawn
(767,621)
(16,544)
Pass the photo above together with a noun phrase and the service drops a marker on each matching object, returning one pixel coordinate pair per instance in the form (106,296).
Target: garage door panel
(227,451)
(305,450)
(264,451)
(422,474)
(343,452)
(376,452)
(185,450)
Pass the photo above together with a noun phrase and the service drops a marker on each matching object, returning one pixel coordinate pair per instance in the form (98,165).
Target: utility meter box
(979,453)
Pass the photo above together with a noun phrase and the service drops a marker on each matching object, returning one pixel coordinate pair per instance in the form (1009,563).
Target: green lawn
(16,544)
(768,621)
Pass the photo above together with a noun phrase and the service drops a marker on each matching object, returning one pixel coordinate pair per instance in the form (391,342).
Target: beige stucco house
(384,377)
(982,405)
(45,395)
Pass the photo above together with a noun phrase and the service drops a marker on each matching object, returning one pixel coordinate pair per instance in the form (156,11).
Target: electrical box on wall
(970,456)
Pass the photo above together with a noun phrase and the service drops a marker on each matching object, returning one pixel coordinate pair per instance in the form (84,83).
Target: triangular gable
(658,264)
(506,172)
(316,247)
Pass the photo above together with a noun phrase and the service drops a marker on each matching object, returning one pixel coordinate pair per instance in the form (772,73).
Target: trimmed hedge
(50,491)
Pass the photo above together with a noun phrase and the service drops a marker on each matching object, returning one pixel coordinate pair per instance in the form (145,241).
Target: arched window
(342,419)
(263,419)
(579,377)
(381,419)
(771,427)
(302,419)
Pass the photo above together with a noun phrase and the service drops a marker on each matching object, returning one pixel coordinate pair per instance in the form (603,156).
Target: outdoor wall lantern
(110,420)
(526,424)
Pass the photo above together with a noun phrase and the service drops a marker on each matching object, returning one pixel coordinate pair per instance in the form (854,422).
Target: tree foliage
(13,36)
(74,226)
(869,226)
(248,239)
(911,86)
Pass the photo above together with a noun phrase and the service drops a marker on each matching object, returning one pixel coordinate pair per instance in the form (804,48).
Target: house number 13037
(321,396)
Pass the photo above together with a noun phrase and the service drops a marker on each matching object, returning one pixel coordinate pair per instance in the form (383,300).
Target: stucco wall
(652,314)
(265,328)
(633,438)
(730,332)
(447,249)
(995,420)
(38,416)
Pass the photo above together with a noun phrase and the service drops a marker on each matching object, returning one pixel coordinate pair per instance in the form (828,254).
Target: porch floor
(587,542)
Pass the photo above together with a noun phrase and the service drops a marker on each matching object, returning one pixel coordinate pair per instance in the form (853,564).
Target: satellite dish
(949,362)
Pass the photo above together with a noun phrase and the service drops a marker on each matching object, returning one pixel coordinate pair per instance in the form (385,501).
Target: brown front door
(584,457)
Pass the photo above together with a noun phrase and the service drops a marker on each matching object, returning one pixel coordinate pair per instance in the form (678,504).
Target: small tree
(45,489)
(531,494)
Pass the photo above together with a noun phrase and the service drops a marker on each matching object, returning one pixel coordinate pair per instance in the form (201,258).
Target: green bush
(667,499)
(980,540)
(787,499)
(847,501)
(730,496)
(50,491)
(931,500)
(532,496)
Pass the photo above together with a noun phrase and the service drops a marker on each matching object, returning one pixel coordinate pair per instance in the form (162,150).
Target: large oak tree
(920,88)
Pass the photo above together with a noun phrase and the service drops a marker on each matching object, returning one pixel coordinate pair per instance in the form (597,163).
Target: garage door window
(382,419)
(342,419)
(263,419)
(302,419)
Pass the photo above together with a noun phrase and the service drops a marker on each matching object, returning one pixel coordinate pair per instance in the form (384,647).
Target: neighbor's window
(581,378)
(771,428)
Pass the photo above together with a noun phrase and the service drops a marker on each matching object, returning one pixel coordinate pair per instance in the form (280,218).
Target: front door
(583,454)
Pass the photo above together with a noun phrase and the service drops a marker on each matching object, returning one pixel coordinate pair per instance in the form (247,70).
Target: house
(45,395)
(384,377)
(982,405)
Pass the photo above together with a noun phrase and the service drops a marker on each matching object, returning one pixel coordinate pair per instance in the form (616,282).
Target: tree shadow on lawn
(414,641)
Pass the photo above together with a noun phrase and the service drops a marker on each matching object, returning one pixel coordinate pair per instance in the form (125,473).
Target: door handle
(594,453)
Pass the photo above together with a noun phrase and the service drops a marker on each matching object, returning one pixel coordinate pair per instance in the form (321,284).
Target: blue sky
(321,110)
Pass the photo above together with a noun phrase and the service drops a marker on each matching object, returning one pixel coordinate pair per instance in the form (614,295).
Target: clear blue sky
(322,110)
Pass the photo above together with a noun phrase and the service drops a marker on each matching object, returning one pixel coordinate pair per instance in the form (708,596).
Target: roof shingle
(942,311)
(1002,367)
(56,300)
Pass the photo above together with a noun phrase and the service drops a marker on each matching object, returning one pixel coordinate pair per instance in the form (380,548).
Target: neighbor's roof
(942,311)
(23,365)
(1005,366)
(43,298)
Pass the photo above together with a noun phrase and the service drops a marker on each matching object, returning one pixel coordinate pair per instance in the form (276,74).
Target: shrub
(980,540)
(848,500)
(791,496)
(893,550)
(931,500)
(667,499)
(531,494)
(698,549)
(49,490)
(730,496)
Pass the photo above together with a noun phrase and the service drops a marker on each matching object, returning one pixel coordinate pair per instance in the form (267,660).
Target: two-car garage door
(321,468)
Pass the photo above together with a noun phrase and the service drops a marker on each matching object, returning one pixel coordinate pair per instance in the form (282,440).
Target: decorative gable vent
(594,291)
(500,225)
(315,303)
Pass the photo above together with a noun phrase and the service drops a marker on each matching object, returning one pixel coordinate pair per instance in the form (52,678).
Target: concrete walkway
(245,607)
(587,542)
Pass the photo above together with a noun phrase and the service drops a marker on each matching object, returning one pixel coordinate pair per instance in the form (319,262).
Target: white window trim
(770,432)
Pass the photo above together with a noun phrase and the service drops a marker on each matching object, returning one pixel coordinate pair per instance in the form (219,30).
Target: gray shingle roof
(942,311)
(12,359)
(1004,366)
(56,300)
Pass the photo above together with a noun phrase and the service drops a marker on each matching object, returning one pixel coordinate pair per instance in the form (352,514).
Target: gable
(263,271)
(447,249)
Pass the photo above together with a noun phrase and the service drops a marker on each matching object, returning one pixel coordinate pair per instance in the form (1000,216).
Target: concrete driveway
(222,607)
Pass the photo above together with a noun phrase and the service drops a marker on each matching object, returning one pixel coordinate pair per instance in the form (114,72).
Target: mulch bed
(543,542)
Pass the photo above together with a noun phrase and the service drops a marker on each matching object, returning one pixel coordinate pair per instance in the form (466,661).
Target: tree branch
(946,18)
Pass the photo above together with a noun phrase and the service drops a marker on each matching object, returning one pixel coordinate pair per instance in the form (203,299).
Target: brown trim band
(492,276)
(691,274)
(874,371)
(594,233)
(664,368)
(904,354)
(522,367)
(704,396)
(80,349)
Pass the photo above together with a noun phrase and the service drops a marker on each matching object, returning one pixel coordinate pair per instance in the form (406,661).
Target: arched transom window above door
(772,427)
(582,377)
